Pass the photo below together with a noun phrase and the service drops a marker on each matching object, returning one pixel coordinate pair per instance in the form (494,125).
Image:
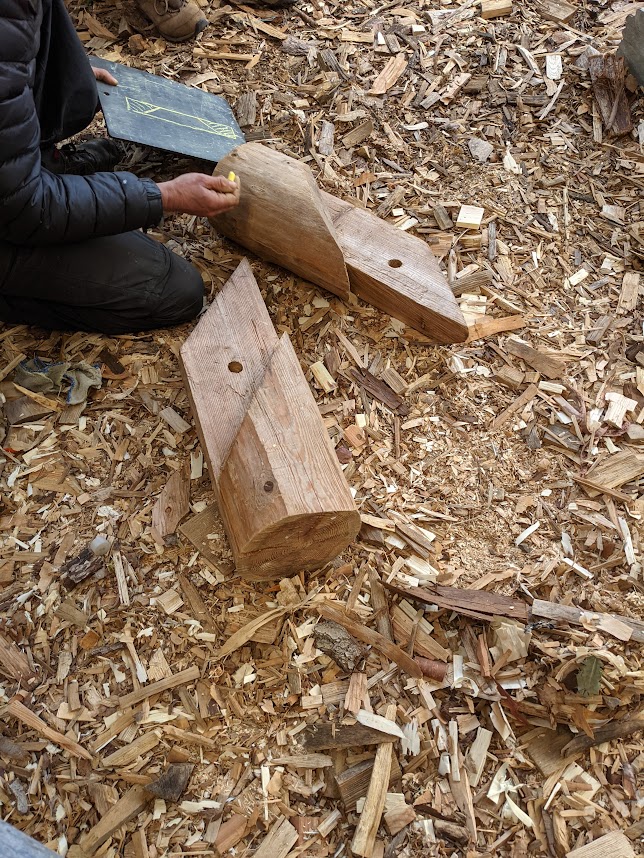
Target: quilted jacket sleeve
(38,207)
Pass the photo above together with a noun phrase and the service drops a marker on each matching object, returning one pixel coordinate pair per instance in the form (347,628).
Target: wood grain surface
(281,216)
(283,497)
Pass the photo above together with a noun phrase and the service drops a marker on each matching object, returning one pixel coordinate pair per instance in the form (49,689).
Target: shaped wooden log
(281,216)
(281,492)
(283,497)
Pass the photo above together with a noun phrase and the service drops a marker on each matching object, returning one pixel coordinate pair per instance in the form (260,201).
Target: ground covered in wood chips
(514,465)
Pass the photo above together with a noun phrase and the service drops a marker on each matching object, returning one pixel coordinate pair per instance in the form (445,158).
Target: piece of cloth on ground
(45,377)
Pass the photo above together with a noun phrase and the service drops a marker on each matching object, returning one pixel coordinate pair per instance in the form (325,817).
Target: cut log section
(281,492)
(281,216)
(397,273)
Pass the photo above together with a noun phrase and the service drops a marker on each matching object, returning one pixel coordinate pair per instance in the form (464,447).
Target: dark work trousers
(116,284)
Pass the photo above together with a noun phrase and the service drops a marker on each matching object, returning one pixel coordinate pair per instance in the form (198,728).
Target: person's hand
(199,194)
(103,76)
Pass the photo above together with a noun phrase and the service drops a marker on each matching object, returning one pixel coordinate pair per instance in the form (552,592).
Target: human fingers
(221,184)
(104,76)
(219,203)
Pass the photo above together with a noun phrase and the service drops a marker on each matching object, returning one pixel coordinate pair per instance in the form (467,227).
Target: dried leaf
(589,677)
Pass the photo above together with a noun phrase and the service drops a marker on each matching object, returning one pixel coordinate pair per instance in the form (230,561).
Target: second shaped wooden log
(283,498)
(282,494)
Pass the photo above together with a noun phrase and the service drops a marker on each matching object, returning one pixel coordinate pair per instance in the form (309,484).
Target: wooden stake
(364,838)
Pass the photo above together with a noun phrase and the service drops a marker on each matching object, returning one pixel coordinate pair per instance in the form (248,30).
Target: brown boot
(176,20)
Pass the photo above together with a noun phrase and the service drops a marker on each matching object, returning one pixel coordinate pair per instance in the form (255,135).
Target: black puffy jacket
(48,93)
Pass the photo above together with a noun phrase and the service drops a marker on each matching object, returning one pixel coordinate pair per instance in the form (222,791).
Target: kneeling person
(72,256)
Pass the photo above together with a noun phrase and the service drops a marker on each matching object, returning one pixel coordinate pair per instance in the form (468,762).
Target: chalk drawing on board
(167,114)
(175,117)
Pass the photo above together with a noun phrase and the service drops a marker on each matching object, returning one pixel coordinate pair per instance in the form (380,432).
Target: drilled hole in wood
(269,485)
(235,366)
(395,263)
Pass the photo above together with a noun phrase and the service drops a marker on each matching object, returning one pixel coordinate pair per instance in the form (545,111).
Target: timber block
(285,218)
(283,498)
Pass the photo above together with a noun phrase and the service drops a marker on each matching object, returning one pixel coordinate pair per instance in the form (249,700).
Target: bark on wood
(172,783)
(323,736)
(76,569)
(478,604)
(379,390)
(608,75)
(281,216)
(335,641)
(616,730)
(576,616)
(371,637)
(632,45)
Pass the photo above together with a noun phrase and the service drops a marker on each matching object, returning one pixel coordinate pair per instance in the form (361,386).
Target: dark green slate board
(147,109)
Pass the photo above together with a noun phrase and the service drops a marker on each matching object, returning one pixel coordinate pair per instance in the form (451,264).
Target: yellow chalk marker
(231,176)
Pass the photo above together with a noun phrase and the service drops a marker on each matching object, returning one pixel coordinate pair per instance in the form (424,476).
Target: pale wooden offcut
(365,835)
(615,844)
(282,494)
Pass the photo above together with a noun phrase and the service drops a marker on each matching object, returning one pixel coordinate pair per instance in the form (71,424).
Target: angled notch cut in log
(281,492)
(284,218)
